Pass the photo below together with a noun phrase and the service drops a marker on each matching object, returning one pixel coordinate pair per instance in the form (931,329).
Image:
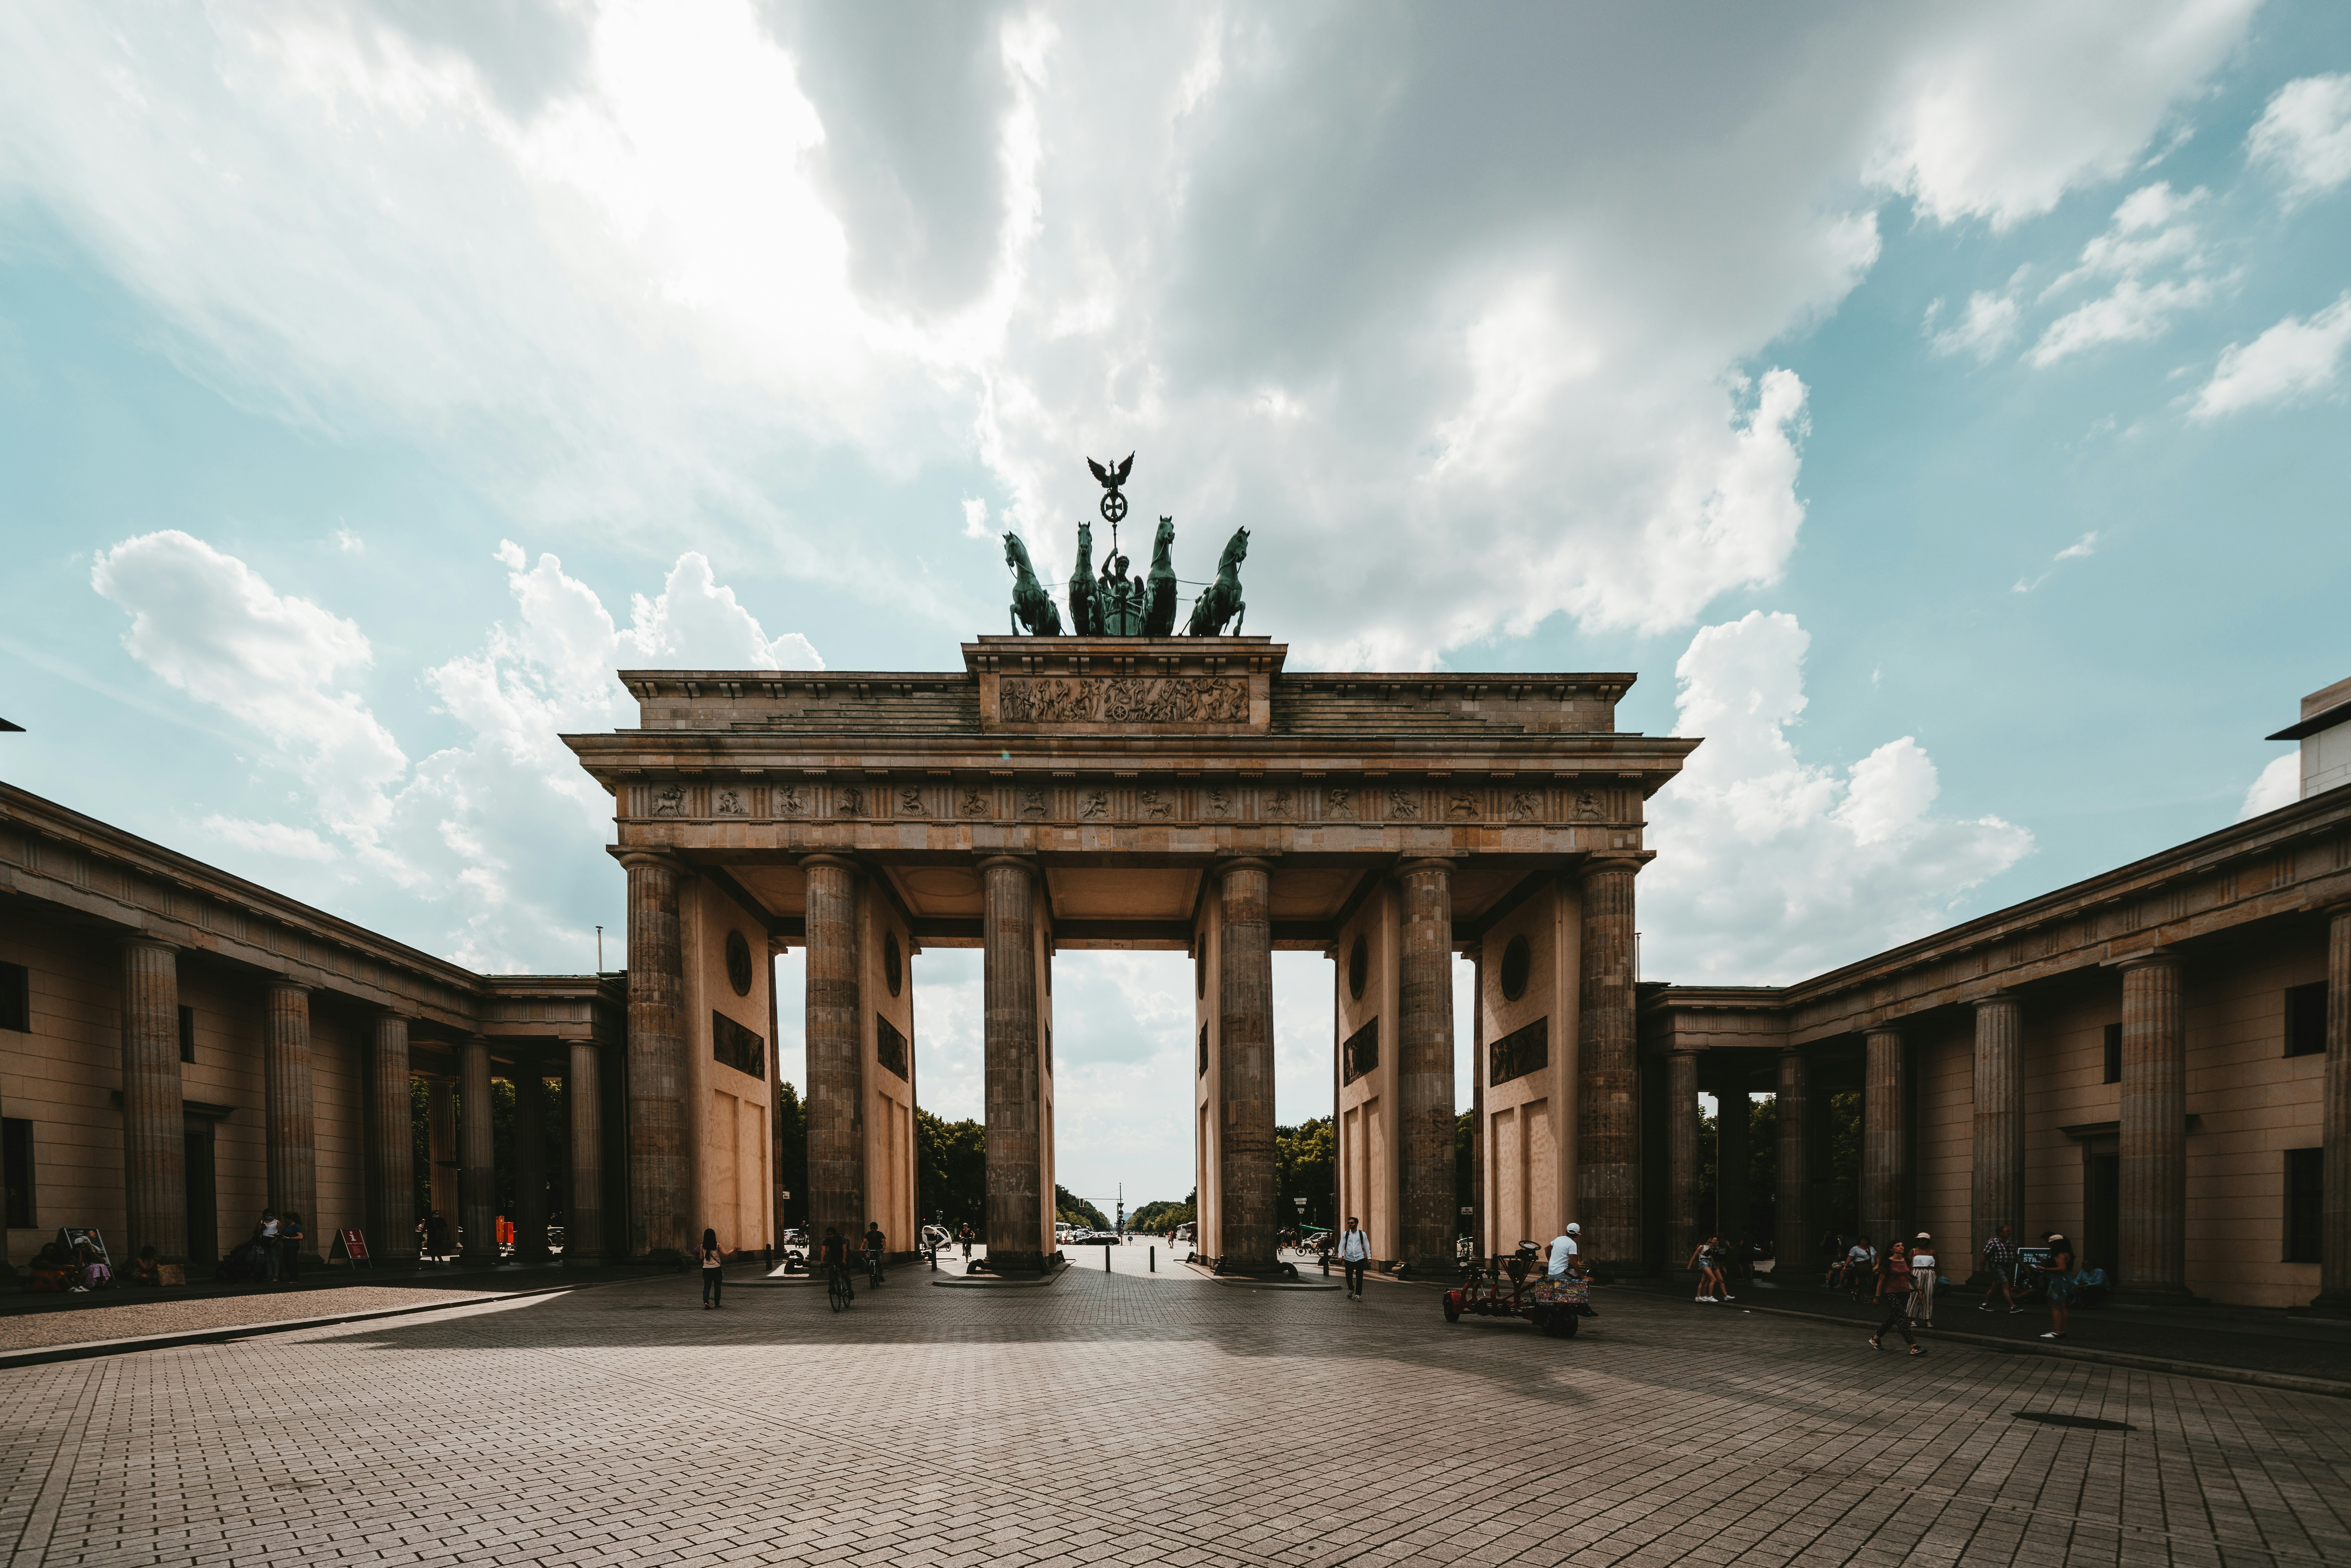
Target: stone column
(1247,1177)
(1608,1104)
(530,1158)
(661,1182)
(476,1155)
(441,1146)
(1733,1124)
(1884,1136)
(2152,1257)
(835,1036)
(391,1149)
(583,1217)
(1476,953)
(1996,1176)
(1681,1156)
(1429,1211)
(1016,1200)
(1792,1236)
(2335,1135)
(290,1143)
(154,1127)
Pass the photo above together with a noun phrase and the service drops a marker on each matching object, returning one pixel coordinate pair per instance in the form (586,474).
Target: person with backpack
(1894,1289)
(713,1269)
(1355,1257)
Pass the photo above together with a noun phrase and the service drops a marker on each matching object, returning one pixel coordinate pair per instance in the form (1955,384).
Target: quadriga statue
(1221,600)
(1031,605)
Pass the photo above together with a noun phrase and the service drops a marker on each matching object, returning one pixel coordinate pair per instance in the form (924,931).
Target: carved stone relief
(1094,700)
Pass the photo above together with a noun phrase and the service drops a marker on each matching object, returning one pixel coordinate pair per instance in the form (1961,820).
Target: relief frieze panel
(1084,699)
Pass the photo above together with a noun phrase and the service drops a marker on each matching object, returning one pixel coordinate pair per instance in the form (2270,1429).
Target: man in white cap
(1563,1252)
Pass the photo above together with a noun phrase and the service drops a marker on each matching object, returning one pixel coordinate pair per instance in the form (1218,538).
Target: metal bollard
(1154,1259)
(1105,1260)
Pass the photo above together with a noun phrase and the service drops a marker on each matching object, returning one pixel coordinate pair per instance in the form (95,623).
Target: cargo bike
(1504,1289)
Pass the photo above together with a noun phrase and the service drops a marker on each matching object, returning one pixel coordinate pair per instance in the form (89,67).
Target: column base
(1606,1269)
(2326,1304)
(582,1259)
(2154,1296)
(1013,1262)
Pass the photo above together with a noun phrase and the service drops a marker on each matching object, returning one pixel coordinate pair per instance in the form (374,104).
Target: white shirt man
(1562,1251)
(1354,1254)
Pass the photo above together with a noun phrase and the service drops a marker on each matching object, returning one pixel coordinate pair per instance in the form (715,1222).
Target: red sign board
(353,1245)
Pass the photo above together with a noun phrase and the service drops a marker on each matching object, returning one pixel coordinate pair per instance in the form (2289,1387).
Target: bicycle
(873,1270)
(837,1288)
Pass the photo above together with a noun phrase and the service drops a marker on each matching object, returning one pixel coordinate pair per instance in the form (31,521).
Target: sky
(1942,413)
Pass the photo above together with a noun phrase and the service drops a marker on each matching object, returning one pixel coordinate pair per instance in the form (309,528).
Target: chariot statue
(1110,603)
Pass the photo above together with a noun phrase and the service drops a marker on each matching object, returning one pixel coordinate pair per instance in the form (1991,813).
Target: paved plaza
(1140,1418)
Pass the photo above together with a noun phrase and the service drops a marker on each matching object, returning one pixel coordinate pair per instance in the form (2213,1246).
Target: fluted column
(1885,1135)
(154,1126)
(477,1155)
(583,1216)
(836,1142)
(2152,1254)
(290,1142)
(530,1158)
(389,1153)
(441,1146)
(1682,1156)
(1792,1236)
(1427,1211)
(1996,1179)
(1017,1203)
(2335,1133)
(1247,1174)
(661,1182)
(1608,1093)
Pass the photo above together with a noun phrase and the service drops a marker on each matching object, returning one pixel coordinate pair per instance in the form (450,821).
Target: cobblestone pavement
(1139,1418)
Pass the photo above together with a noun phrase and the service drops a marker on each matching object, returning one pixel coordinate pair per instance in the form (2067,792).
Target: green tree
(950,1172)
(1465,1168)
(1164,1214)
(792,1158)
(1305,1158)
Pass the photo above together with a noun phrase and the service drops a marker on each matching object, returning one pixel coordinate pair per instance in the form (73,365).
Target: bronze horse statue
(1085,614)
(1221,600)
(1159,618)
(1030,604)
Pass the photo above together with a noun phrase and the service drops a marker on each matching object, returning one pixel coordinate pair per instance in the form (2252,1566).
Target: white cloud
(621,266)
(2296,359)
(2306,135)
(275,840)
(2080,550)
(1983,331)
(212,627)
(350,543)
(1769,868)
(2147,233)
(2279,784)
(500,835)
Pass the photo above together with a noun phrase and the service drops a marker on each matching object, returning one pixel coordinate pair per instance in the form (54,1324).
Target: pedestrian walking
(2000,1267)
(265,1245)
(1923,1279)
(713,1269)
(2057,1278)
(436,1237)
(1355,1255)
(290,1237)
(1563,1252)
(1894,1291)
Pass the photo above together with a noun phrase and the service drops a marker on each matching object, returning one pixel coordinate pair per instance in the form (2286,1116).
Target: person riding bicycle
(874,1247)
(834,1256)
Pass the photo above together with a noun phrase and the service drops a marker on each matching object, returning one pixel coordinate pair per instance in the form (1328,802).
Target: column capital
(2149,959)
(636,860)
(297,986)
(1244,863)
(1990,998)
(134,941)
(1883,1031)
(1024,864)
(1425,862)
(839,862)
(1602,865)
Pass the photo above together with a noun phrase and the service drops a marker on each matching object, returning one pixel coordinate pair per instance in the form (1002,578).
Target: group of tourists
(1904,1277)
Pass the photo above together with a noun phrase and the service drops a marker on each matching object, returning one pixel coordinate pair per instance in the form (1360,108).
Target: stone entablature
(2293,862)
(85,872)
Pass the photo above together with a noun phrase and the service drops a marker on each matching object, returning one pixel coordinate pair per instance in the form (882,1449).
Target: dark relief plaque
(738,1047)
(889,1045)
(1361,1054)
(1519,1052)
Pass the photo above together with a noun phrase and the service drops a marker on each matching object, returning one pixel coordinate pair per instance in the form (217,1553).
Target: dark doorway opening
(204,1201)
(2102,1210)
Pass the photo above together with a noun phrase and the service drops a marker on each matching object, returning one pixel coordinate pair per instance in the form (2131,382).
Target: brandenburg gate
(1178,793)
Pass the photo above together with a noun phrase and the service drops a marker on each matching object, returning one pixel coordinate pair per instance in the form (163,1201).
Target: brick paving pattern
(1137,1418)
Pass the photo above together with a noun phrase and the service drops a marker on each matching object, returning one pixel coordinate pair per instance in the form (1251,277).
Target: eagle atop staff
(1114,505)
